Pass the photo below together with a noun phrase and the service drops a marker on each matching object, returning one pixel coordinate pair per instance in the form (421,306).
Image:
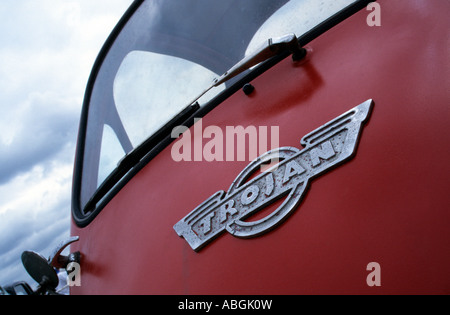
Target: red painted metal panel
(390,204)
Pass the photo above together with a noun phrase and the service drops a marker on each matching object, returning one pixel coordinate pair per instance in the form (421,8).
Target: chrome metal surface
(56,259)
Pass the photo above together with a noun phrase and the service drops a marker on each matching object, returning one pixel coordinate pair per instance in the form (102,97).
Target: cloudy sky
(47,49)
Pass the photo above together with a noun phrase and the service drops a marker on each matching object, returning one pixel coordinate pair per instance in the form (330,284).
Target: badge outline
(220,208)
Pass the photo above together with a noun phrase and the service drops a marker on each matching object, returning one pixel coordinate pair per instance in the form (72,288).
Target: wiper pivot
(271,48)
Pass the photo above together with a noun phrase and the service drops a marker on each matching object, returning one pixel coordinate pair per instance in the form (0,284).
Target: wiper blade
(271,48)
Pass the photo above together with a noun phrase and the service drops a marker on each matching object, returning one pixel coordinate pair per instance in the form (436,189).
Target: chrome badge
(326,147)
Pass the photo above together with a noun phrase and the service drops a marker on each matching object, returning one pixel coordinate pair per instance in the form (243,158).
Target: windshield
(166,54)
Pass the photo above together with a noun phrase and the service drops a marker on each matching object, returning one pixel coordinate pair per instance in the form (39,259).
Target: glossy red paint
(390,204)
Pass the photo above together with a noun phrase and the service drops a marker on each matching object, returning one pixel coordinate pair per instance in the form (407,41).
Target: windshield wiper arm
(271,48)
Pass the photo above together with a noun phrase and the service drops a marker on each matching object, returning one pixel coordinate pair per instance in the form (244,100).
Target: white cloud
(48,49)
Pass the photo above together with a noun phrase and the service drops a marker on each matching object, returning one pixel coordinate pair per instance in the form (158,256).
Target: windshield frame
(143,154)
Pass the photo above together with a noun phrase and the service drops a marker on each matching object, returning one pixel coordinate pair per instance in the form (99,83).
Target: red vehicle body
(389,204)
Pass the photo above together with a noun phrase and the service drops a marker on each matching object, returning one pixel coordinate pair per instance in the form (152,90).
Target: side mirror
(40,270)
(43,271)
(20,288)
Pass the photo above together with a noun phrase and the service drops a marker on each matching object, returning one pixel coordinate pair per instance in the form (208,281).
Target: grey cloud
(40,232)
(44,66)
(43,243)
(44,130)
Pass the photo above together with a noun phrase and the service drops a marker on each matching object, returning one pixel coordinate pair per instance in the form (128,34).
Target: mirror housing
(43,271)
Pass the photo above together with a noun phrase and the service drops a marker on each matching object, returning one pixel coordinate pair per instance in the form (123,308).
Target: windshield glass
(169,52)
(150,89)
